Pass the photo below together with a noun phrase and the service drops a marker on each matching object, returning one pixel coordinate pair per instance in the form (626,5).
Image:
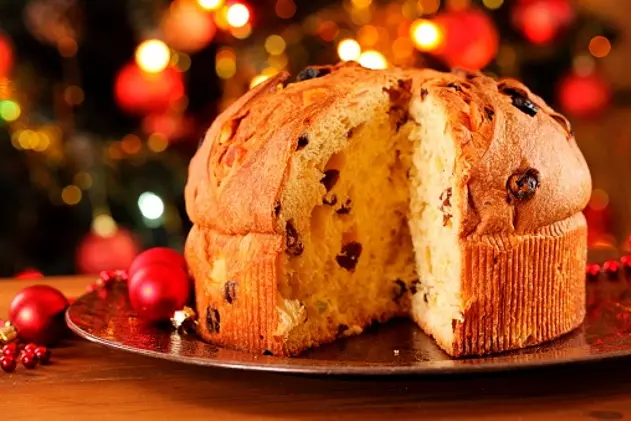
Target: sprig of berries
(30,355)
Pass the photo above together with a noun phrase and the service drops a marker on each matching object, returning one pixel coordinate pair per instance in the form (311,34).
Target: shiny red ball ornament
(43,355)
(541,21)
(156,255)
(29,360)
(8,364)
(470,39)
(138,92)
(592,270)
(584,95)
(37,312)
(611,268)
(157,291)
(10,349)
(97,253)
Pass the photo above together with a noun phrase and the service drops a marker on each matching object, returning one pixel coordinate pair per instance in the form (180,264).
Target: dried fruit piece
(330,201)
(213,319)
(341,329)
(294,245)
(230,291)
(345,208)
(490,112)
(303,141)
(399,290)
(424,93)
(330,179)
(267,352)
(312,73)
(277,209)
(522,186)
(520,99)
(349,255)
(414,286)
(455,86)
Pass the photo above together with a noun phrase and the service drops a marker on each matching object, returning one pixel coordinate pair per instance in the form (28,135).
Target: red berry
(8,364)
(106,276)
(29,360)
(10,349)
(593,269)
(30,347)
(43,355)
(626,261)
(611,267)
(121,275)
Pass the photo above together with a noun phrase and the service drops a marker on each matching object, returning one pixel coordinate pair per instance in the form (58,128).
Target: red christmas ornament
(37,312)
(156,291)
(470,39)
(592,270)
(8,364)
(540,21)
(29,360)
(611,267)
(29,274)
(6,56)
(156,255)
(97,253)
(138,92)
(43,355)
(186,27)
(584,95)
(10,349)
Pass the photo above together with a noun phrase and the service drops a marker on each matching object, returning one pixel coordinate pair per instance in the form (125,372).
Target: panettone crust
(237,177)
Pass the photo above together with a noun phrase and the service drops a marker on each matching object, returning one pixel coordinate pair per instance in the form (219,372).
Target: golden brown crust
(521,290)
(497,136)
(235,287)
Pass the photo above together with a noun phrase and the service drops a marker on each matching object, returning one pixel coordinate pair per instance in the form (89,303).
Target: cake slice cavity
(434,221)
(356,261)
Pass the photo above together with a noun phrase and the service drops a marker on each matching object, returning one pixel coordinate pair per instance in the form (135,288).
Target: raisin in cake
(352,196)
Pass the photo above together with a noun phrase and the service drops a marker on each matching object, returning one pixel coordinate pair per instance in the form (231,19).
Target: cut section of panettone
(352,196)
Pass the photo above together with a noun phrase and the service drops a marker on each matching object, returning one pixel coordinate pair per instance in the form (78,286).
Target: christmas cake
(351,196)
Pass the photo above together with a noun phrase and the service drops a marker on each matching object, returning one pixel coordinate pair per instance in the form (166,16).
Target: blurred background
(103,102)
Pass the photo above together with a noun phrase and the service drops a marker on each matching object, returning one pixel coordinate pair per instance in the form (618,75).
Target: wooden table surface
(90,382)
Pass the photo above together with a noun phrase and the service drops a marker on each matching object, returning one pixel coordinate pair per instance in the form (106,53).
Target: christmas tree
(102,104)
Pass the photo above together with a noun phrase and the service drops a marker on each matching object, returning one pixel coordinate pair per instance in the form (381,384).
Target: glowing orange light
(599,46)
(348,50)
(238,15)
(372,59)
(426,35)
(210,4)
(153,56)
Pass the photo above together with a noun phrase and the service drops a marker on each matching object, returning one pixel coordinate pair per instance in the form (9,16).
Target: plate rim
(340,370)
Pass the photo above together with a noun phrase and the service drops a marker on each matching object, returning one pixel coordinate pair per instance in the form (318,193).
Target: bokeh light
(151,205)
(492,4)
(599,46)
(153,56)
(372,59)
(226,63)
(210,4)
(349,50)
(71,195)
(238,15)
(9,110)
(275,45)
(426,35)
(104,226)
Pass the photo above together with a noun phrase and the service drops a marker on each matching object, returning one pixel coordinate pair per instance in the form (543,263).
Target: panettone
(352,196)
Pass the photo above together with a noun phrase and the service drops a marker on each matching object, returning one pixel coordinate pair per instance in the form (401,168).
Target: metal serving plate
(395,348)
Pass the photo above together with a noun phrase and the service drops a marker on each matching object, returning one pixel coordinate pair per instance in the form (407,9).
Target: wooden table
(90,382)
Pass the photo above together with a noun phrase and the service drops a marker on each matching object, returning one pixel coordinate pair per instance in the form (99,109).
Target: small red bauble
(29,360)
(156,255)
(30,347)
(97,252)
(540,21)
(10,349)
(155,292)
(37,312)
(592,269)
(8,364)
(43,355)
(611,267)
(584,95)
(626,261)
